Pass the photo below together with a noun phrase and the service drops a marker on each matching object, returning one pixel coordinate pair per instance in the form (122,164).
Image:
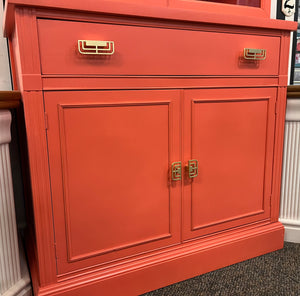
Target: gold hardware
(176,171)
(255,54)
(192,168)
(96,47)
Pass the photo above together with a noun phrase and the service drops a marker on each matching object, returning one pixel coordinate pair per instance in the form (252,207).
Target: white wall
(5,80)
(273,8)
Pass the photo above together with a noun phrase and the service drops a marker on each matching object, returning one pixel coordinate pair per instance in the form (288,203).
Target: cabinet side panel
(280,119)
(25,63)
(39,172)
(278,153)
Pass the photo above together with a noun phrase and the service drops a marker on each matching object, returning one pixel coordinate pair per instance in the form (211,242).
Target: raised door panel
(231,133)
(109,156)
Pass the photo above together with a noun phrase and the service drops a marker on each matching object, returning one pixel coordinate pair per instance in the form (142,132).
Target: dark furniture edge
(10,99)
(293,91)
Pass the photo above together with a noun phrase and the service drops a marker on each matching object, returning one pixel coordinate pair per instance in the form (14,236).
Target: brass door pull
(192,168)
(176,171)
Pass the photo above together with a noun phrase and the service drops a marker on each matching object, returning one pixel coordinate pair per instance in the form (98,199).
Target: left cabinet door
(110,154)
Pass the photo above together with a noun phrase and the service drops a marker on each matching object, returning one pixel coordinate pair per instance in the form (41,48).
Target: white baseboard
(292,234)
(291,230)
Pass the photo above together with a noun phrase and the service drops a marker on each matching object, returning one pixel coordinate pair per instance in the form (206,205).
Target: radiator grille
(291,173)
(9,251)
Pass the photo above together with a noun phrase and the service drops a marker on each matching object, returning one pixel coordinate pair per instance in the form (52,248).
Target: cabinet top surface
(178,10)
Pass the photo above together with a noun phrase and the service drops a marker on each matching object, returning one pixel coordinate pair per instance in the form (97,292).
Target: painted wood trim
(266,6)
(284,59)
(40,185)
(151,11)
(278,152)
(29,70)
(94,17)
(66,82)
(176,265)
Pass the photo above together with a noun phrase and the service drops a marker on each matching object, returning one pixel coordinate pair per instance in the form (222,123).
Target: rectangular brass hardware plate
(176,171)
(96,47)
(193,168)
(255,54)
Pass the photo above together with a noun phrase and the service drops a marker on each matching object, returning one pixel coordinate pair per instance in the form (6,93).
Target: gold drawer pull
(96,47)
(255,54)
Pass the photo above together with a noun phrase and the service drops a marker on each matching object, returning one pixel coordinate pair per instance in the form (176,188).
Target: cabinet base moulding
(168,267)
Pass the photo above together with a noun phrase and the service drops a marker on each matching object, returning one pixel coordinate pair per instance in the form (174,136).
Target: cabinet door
(109,155)
(230,132)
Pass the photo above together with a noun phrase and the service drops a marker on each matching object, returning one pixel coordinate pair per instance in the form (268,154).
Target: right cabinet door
(229,133)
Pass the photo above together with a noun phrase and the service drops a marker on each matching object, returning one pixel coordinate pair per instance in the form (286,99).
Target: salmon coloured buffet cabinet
(154,133)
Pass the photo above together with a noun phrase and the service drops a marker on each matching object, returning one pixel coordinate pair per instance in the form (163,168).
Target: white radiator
(10,272)
(290,189)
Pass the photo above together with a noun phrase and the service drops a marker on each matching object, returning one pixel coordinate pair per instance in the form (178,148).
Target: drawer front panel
(134,50)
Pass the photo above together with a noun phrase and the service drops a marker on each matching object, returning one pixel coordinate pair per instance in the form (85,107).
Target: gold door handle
(96,47)
(176,171)
(255,54)
(192,168)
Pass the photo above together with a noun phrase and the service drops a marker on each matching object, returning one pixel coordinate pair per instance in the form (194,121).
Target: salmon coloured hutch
(155,135)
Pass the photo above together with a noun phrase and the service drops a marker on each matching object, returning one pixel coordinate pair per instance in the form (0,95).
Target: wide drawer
(68,47)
